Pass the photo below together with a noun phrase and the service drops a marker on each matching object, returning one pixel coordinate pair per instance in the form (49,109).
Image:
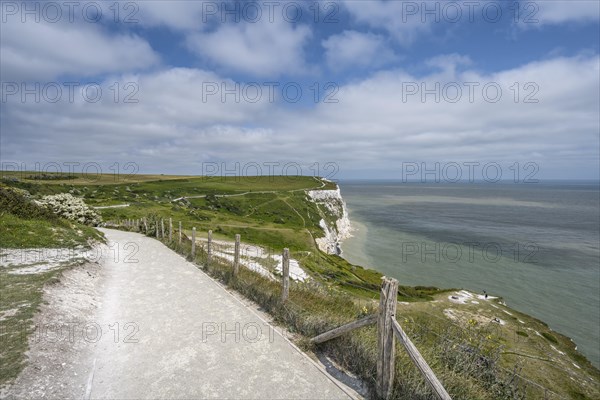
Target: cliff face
(334,222)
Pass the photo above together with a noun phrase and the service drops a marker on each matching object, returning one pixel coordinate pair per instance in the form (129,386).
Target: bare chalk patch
(257,259)
(40,260)
(464,297)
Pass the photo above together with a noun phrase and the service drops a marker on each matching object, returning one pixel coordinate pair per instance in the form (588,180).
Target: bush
(51,177)
(72,208)
(549,337)
(16,202)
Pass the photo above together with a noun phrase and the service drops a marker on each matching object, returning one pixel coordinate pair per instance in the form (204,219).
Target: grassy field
(475,357)
(24,226)
(270,211)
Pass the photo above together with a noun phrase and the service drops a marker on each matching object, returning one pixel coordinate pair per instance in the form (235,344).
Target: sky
(434,90)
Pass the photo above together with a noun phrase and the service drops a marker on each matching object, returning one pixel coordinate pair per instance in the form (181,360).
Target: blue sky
(384,86)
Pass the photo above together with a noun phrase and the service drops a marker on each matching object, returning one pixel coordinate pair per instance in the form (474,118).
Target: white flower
(72,208)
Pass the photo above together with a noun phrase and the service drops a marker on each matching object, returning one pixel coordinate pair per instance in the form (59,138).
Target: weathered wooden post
(180,233)
(285,270)
(193,243)
(385,337)
(209,249)
(157,236)
(417,359)
(236,256)
(145,226)
(170,229)
(162,228)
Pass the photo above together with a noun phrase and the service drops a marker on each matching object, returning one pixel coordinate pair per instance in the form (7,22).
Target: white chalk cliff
(331,203)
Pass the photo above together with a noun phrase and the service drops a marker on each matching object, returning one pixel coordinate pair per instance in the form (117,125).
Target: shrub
(16,202)
(549,337)
(72,208)
(51,177)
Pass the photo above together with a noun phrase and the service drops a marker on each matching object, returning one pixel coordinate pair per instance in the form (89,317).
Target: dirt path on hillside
(148,324)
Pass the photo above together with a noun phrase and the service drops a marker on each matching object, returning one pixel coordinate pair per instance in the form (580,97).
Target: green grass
(473,361)
(25,225)
(512,345)
(23,233)
(23,294)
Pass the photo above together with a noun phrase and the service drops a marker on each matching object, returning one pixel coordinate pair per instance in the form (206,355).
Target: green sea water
(536,245)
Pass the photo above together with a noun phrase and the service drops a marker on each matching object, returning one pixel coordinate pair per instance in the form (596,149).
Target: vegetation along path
(170,331)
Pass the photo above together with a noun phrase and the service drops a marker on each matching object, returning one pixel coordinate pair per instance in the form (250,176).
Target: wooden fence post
(193,242)
(157,236)
(417,359)
(236,256)
(145,226)
(209,249)
(162,228)
(285,270)
(385,337)
(180,233)
(170,229)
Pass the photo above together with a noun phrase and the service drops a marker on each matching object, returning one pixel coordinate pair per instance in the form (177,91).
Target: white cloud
(561,11)
(41,51)
(449,62)
(264,48)
(175,14)
(393,16)
(372,128)
(376,127)
(352,49)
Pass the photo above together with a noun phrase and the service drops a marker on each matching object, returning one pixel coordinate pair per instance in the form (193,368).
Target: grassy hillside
(479,349)
(270,211)
(27,232)
(24,224)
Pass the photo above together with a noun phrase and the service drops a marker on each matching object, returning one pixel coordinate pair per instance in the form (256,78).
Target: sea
(537,245)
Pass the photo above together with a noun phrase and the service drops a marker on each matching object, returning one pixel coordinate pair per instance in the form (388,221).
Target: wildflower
(72,208)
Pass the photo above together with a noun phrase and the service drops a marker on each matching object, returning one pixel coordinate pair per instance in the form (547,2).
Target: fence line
(388,328)
(236,257)
(285,269)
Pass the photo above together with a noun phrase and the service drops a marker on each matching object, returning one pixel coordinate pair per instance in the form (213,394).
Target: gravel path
(164,329)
